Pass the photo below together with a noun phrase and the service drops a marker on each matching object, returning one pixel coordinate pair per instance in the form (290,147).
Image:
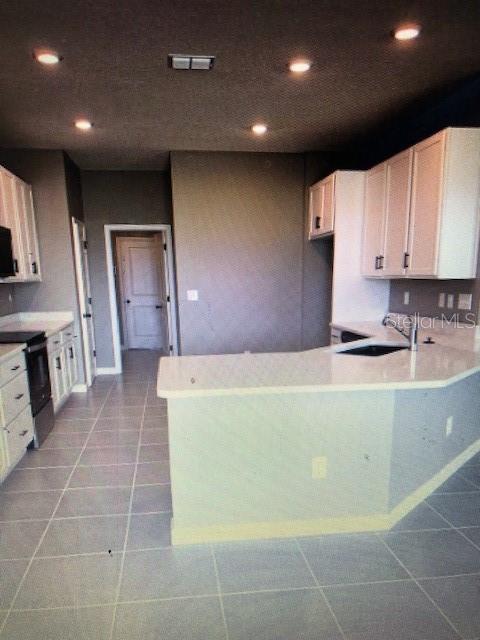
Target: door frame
(170,282)
(80,273)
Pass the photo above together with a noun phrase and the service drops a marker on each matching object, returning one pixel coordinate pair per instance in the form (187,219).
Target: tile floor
(85,551)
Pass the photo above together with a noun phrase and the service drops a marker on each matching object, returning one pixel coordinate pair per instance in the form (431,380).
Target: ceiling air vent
(196,63)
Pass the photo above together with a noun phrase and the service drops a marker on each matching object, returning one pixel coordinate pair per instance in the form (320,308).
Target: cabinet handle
(34,267)
(318,221)
(18,396)
(71,352)
(15,367)
(59,363)
(22,434)
(406,260)
(15,265)
(87,315)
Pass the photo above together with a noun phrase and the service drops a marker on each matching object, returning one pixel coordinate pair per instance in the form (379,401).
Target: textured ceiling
(115,72)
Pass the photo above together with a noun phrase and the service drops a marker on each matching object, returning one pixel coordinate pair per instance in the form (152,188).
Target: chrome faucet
(411,335)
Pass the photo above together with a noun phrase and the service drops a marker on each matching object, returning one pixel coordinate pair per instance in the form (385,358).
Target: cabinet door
(425,209)
(27,216)
(58,377)
(72,366)
(315,208)
(328,213)
(322,208)
(373,224)
(397,212)
(12,221)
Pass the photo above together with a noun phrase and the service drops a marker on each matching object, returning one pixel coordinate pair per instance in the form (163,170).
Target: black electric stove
(36,357)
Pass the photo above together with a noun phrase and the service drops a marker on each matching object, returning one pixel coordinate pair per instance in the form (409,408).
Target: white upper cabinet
(321,208)
(373,224)
(430,206)
(17,213)
(397,205)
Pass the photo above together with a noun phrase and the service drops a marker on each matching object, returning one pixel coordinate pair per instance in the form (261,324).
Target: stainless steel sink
(372,350)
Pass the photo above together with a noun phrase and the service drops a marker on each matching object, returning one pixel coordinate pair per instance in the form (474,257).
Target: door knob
(127,301)
(158,306)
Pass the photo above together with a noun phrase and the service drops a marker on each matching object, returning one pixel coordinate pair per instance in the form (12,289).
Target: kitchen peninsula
(290,444)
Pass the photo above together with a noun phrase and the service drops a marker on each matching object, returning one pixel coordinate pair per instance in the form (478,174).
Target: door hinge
(94,353)
(85,244)
(89,300)
(168,298)
(164,247)
(171,347)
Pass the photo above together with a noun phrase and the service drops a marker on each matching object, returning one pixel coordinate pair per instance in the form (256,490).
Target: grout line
(111,464)
(129,518)
(219,591)
(92,515)
(90,486)
(474,484)
(322,592)
(420,586)
(457,529)
(42,537)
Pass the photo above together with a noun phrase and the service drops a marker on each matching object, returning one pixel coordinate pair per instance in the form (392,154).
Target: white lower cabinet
(16,422)
(63,365)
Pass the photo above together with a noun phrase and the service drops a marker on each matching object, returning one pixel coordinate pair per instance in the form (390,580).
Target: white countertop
(454,356)
(51,323)
(9,350)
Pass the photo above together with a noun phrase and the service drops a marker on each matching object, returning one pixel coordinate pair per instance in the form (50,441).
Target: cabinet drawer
(18,435)
(14,397)
(11,368)
(67,334)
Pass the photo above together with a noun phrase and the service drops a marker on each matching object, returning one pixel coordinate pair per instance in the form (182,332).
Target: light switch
(441,300)
(465,301)
(406,297)
(319,468)
(450,301)
(192,295)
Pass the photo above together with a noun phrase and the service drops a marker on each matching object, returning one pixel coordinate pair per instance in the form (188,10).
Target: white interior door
(84,299)
(143,293)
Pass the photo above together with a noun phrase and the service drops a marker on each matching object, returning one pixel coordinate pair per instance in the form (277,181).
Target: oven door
(38,376)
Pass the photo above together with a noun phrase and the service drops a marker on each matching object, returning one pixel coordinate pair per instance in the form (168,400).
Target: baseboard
(107,371)
(79,388)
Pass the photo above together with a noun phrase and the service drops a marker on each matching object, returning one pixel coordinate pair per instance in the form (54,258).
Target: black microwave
(6,256)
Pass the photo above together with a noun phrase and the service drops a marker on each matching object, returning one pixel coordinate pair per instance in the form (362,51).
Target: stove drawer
(14,397)
(11,368)
(18,435)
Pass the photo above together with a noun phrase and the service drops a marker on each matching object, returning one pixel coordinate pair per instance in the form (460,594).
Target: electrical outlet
(406,297)
(450,301)
(192,295)
(441,300)
(465,301)
(449,427)
(319,468)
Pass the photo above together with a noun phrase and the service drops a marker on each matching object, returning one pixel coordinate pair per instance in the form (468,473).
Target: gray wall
(238,222)
(45,171)
(317,269)
(117,197)
(7,306)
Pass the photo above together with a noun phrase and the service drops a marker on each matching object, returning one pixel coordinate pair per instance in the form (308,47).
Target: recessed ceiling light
(47,57)
(407,32)
(259,129)
(299,66)
(84,125)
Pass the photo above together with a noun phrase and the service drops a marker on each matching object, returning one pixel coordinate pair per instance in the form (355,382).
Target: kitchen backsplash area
(6,304)
(425,296)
